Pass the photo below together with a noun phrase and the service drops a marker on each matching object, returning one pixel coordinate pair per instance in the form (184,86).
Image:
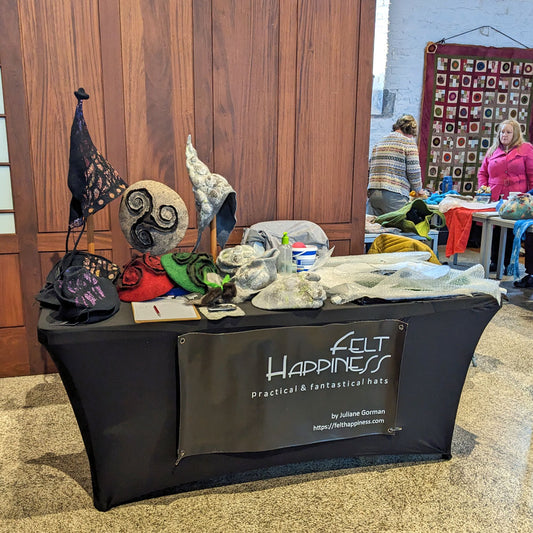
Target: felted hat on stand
(214,197)
(189,270)
(143,278)
(92,181)
(153,217)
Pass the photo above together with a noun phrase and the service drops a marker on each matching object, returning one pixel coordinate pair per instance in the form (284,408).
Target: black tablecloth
(121,379)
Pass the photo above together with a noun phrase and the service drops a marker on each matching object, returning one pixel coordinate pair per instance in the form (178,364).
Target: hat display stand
(213,237)
(91,248)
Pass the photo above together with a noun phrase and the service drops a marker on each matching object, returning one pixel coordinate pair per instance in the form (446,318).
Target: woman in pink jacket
(507,167)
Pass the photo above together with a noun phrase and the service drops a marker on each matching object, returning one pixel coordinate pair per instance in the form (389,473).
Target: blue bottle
(447,184)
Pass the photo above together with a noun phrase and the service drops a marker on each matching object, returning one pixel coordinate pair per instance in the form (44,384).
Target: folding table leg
(501,252)
(485,248)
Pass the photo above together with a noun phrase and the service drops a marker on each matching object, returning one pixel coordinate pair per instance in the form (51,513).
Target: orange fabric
(459,222)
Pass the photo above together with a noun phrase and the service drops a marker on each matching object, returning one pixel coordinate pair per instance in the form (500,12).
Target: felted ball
(153,217)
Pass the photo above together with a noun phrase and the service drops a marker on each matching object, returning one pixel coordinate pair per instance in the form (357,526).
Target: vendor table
(502,223)
(121,379)
(488,220)
(486,237)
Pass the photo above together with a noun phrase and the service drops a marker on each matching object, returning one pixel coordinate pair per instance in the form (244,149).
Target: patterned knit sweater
(394,165)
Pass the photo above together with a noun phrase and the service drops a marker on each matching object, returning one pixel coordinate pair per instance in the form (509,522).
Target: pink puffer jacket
(505,173)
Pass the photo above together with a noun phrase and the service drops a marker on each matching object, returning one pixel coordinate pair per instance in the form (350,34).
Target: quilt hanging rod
(442,41)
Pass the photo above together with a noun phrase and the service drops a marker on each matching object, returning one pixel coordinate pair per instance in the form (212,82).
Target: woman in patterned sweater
(394,169)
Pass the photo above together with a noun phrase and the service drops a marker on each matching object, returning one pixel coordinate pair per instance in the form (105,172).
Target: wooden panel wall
(326,89)
(61,52)
(276,94)
(245,102)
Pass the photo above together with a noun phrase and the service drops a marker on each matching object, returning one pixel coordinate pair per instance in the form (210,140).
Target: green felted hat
(189,270)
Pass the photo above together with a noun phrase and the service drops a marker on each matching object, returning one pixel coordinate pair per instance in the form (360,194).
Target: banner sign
(267,389)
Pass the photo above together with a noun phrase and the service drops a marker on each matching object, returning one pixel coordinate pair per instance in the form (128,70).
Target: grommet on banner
(181,455)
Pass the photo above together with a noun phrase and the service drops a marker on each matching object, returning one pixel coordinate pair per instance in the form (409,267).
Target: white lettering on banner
(354,345)
(333,365)
(281,391)
(350,364)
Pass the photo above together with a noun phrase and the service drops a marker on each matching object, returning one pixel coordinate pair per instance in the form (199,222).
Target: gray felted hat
(230,259)
(213,195)
(255,275)
(295,291)
(153,217)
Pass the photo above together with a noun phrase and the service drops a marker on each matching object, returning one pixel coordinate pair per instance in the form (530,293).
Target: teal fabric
(519,229)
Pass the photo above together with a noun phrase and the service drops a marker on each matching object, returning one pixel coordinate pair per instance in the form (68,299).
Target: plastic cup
(304,258)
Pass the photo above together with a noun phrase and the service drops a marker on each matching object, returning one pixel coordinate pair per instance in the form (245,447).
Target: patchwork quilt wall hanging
(467,92)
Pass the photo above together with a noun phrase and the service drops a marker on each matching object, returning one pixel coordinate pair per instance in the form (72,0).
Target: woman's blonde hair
(406,124)
(517,139)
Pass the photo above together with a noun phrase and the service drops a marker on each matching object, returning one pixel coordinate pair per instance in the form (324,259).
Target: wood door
(275,93)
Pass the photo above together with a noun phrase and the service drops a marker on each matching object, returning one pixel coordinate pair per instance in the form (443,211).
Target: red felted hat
(143,279)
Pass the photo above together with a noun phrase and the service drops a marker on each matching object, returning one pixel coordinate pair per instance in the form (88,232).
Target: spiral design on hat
(161,220)
(153,217)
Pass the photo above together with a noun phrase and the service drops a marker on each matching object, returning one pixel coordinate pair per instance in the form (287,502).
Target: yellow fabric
(390,243)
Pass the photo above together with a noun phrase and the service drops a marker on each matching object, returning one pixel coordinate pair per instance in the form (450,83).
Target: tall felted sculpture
(214,197)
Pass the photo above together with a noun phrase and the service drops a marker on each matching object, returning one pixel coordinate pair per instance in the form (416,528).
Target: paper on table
(163,310)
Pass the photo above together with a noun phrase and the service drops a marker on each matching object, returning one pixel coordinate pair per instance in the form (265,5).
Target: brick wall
(414,23)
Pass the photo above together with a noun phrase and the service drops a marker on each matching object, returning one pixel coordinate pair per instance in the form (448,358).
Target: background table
(121,379)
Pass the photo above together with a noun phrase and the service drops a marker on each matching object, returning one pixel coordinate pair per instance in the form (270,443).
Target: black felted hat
(92,181)
(84,297)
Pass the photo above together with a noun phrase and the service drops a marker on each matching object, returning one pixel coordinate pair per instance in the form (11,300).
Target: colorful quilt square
(468,65)
(505,67)
(514,98)
(503,84)
(468,186)
(479,82)
(500,113)
(492,82)
(481,65)
(455,65)
(466,81)
(453,97)
(442,63)
(493,66)
(440,95)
